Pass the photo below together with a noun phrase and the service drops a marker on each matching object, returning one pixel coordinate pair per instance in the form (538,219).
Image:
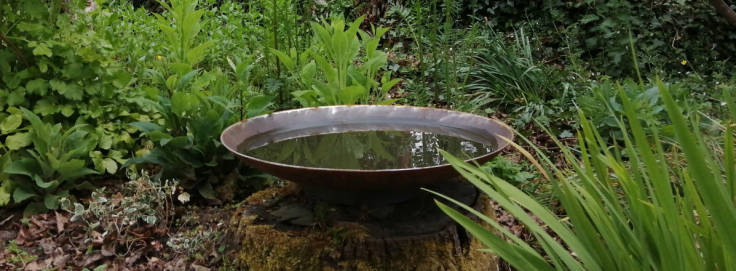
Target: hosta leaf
(21,194)
(25,166)
(11,123)
(72,169)
(18,141)
(43,184)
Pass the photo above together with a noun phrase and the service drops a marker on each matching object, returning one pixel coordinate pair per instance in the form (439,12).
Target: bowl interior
(279,126)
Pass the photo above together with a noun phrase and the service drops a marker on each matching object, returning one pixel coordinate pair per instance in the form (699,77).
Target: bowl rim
(502,144)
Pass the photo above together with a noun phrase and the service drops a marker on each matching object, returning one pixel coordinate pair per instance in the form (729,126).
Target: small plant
(141,201)
(604,106)
(511,73)
(53,166)
(186,137)
(118,218)
(187,147)
(346,81)
(19,256)
(654,210)
(514,173)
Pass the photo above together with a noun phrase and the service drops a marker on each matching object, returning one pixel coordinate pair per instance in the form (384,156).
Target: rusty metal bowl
(347,183)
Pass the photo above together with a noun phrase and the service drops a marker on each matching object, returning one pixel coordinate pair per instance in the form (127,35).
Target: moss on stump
(281,229)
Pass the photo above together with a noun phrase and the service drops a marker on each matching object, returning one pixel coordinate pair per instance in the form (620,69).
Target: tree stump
(282,229)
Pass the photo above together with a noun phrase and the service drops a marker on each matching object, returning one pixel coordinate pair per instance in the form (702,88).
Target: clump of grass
(649,206)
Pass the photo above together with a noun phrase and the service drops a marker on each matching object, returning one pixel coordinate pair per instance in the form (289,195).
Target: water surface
(366,150)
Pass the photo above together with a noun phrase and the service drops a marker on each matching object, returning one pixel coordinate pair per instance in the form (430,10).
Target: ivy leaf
(11,123)
(18,141)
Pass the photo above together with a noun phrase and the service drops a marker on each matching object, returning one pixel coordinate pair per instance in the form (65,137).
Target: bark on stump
(281,229)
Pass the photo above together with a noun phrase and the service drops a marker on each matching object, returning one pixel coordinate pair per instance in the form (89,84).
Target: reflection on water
(368,150)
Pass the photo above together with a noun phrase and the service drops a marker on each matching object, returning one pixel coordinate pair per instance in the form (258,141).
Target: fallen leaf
(197,267)
(61,220)
(48,245)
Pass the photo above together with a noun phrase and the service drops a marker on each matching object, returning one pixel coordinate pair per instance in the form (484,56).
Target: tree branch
(17,51)
(724,10)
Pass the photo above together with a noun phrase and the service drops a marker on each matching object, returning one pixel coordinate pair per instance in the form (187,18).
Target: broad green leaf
(40,183)
(11,123)
(196,54)
(67,110)
(37,86)
(182,102)
(308,73)
(110,165)
(6,192)
(258,105)
(25,166)
(351,94)
(18,141)
(205,189)
(45,107)
(51,202)
(72,169)
(21,194)
(146,127)
(41,49)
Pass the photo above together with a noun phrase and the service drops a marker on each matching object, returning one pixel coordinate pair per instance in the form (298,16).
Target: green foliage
(59,67)
(180,31)
(52,167)
(665,32)
(514,173)
(346,81)
(187,147)
(195,108)
(656,209)
(511,73)
(604,106)
(143,202)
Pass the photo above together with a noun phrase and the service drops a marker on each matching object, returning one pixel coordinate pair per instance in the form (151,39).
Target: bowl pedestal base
(283,229)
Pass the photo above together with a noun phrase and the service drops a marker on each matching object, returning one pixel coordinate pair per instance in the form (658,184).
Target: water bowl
(358,153)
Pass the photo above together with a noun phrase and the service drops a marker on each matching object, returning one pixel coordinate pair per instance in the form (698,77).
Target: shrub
(346,81)
(50,169)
